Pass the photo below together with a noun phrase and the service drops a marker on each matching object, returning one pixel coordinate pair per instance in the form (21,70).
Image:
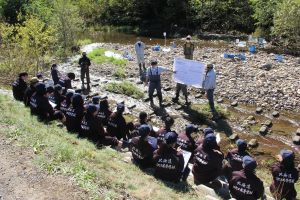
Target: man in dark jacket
(40,106)
(85,63)
(207,161)
(285,176)
(66,81)
(93,130)
(141,149)
(235,158)
(19,86)
(245,185)
(117,126)
(54,74)
(64,106)
(169,163)
(104,111)
(30,91)
(58,97)
(74,114)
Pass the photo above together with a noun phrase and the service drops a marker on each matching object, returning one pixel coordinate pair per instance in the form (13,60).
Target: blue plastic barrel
(252,49)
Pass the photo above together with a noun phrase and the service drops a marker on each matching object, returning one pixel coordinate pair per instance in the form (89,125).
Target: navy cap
(207,131)
(190,128)
(41,88)
(96,100)
(120,107)
(241,143)
(171,137)
(210,139)
(249,163)
(144,130)
(91,109)
(287,154)
(58,88)
(69,95)
(50,89)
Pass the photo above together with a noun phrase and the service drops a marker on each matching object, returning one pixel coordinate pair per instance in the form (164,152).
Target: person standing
(285,176)
(139,50)
(55,74)
(153,78)
(85,63)
(209,85)
(188,51)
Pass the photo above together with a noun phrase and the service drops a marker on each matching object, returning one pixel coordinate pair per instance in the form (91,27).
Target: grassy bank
(98,57)
(102,173)
(126,88)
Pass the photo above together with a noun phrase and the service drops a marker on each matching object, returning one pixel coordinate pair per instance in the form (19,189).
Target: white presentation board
(189,72)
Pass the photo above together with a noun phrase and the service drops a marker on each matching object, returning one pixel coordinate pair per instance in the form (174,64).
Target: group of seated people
(162,149)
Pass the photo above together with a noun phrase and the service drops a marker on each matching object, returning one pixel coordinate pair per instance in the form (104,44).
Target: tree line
(40,28)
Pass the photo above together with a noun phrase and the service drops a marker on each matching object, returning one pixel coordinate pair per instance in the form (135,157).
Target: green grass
(119,72)
(98,56)
(126,88)
(82,42)
(101,172)
(202,111)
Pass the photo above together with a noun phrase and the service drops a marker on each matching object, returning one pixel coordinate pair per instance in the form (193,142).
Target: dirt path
(21,180)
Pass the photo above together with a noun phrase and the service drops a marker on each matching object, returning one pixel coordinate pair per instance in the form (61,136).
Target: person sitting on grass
(234,158)
(30,91)
(93,130)
(19,86)
(169,162)
(169,122)
(117,126)
(66,103)
(245,185)
(104,111)
(75,114)
(207,161)
(141,149)
(40,106)
(285,176)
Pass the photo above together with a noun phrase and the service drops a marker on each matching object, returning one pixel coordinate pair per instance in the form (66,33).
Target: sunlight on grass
(126,88)
(98,56)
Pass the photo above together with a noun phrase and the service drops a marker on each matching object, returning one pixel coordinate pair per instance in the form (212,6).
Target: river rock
(253,143)
(263,130)
(220,100)
(167,88)
(298,132)
(179,107)
(259,110)
(234,137)
(198,96)
(266,67)
(275,114)
(95,85)
(251,118)
(234,104)
(268,123)
(131,106)
(296,140)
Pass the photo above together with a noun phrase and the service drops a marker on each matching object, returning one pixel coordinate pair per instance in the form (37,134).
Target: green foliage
(287,24)
(83,42)
(98,56)
(202,111)
(126,88)
(119,72)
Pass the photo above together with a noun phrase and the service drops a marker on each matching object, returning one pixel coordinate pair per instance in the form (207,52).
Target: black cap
(50,89)
(23,74)
(41,88)
(171,137)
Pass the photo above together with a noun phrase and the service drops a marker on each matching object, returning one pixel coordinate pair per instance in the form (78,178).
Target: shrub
(126,88)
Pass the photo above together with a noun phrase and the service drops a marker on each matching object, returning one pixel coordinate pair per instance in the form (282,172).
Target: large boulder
(296,140)
(263,130)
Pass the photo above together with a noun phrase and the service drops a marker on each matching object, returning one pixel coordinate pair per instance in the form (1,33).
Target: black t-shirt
(92,129)
(142,152)
(40,106)
(235,159)
(117,127)
(28,94)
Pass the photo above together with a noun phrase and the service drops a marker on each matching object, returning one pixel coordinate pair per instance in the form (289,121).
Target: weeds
(98,56)
(119,72)
(202,111)
(83,42)
(126,88)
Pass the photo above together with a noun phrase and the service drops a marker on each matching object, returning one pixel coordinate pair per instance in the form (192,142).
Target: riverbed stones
(266,67)
(220,100)
(198,96)
(263,130)
(259,110)
(253,143)
(275,114)
(234,137)
(298,132)
(234,104)
(251,118)
(268,123)
(296,140)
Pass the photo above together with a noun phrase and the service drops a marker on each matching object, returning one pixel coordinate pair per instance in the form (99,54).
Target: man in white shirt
(209,85)
(153,78)
(139,50)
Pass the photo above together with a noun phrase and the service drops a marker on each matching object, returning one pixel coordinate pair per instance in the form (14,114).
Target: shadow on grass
(199,114)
